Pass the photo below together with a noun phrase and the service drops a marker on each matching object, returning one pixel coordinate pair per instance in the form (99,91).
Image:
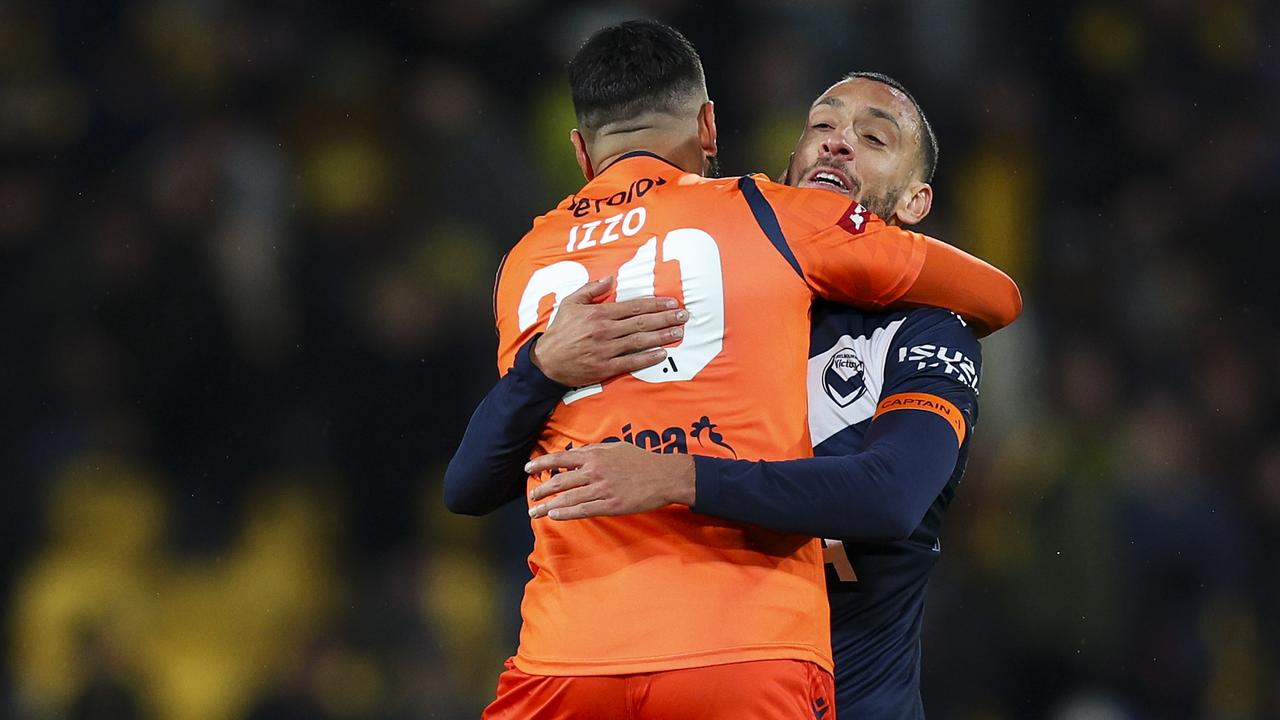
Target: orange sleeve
(979,292)
(507,290)
(871,268)
(848,254)
(841,250)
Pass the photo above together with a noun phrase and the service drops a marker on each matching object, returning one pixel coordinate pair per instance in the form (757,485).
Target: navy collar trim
(639,153)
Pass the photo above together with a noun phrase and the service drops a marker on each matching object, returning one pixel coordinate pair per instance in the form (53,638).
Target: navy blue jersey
(877,588)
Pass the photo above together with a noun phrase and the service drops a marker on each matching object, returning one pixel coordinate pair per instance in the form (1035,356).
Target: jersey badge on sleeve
(854,220)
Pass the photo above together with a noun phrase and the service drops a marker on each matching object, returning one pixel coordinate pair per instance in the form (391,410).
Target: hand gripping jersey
(670,589)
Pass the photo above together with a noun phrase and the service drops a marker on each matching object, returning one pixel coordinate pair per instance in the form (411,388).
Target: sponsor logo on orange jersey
(674,439)
(638,189)
(855,219)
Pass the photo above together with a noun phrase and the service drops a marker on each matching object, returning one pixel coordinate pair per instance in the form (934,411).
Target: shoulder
(935,324)
(697,184)
(544,234)
(804,211)
(937,343)
(906,326)
(802,202)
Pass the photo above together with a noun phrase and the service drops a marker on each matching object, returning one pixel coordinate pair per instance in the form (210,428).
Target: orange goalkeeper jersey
(670,589)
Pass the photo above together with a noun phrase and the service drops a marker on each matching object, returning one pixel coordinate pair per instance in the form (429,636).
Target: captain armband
(929,403)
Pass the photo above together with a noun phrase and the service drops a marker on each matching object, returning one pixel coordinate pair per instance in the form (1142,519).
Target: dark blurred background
(246,254)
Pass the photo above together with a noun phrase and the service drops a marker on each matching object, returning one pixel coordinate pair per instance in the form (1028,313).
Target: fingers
(638,306)
(636,361)
(639,342)
(647,322)
(568,498)
(594,508)
(559,483)
(563,460)
(592,290)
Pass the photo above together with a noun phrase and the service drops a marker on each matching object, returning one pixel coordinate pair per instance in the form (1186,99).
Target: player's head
(867,137)
(639,85)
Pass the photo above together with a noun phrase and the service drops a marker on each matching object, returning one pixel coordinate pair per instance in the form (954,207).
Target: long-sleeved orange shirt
(670,589)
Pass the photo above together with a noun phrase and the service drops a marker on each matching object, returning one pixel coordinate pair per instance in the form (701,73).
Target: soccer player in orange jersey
(882,480)
(669,614)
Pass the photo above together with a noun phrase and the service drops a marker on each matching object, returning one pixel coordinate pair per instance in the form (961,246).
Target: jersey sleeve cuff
(708,482)
(531,376)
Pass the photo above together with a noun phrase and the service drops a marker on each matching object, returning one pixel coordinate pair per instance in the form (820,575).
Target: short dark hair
(630,68)
(928,141)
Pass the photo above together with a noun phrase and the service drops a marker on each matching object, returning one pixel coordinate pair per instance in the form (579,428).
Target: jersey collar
(635,154)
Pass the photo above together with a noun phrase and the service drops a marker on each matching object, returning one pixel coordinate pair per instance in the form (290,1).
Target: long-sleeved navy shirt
(878,489)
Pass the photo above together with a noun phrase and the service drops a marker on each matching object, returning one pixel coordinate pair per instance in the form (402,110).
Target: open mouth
(829,178)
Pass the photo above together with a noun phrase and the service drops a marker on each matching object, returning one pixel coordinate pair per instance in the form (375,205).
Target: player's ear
(707,128)
(580,152)
(916,203)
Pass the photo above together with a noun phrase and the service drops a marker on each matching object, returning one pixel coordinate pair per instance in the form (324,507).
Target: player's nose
(836,146)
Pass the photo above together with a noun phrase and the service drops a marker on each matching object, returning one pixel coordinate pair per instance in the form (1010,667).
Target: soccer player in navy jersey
(892,408)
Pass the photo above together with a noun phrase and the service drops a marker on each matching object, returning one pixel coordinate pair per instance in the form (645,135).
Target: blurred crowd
(246,254)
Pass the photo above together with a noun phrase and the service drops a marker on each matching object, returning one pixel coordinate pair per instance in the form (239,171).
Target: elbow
(1010,306)
(1013,305)
(1006,309)
(455,501)
(461,505)
(888,518)
(456,497)
(888,525)
(900,525)
(907,504)
(899,510)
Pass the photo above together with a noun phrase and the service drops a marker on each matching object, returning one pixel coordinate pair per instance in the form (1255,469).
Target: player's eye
(874,140)
(822,126)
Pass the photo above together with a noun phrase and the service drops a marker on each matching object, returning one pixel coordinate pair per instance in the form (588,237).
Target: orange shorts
(761,690)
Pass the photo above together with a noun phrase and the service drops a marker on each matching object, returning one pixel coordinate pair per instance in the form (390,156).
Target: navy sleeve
(487,470)
(878,494)
(882,492)
(935,352)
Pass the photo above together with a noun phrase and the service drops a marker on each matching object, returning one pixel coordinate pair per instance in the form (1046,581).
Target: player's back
(671,589)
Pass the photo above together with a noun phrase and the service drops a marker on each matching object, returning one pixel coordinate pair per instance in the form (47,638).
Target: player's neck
(684,153)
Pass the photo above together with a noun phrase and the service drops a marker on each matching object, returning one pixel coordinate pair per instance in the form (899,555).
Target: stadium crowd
(247,250)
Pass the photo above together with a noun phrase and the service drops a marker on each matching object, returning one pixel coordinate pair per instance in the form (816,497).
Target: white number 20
(702,284)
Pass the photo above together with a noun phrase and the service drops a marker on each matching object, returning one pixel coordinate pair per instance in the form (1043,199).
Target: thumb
(591,291)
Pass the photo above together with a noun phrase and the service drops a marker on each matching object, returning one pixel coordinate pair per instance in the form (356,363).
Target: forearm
(976,290)
(879,494)
(487,470)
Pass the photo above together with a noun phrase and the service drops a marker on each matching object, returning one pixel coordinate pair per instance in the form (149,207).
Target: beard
(711,167)
(881,203)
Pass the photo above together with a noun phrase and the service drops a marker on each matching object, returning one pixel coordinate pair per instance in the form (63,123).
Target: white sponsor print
(953,362)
